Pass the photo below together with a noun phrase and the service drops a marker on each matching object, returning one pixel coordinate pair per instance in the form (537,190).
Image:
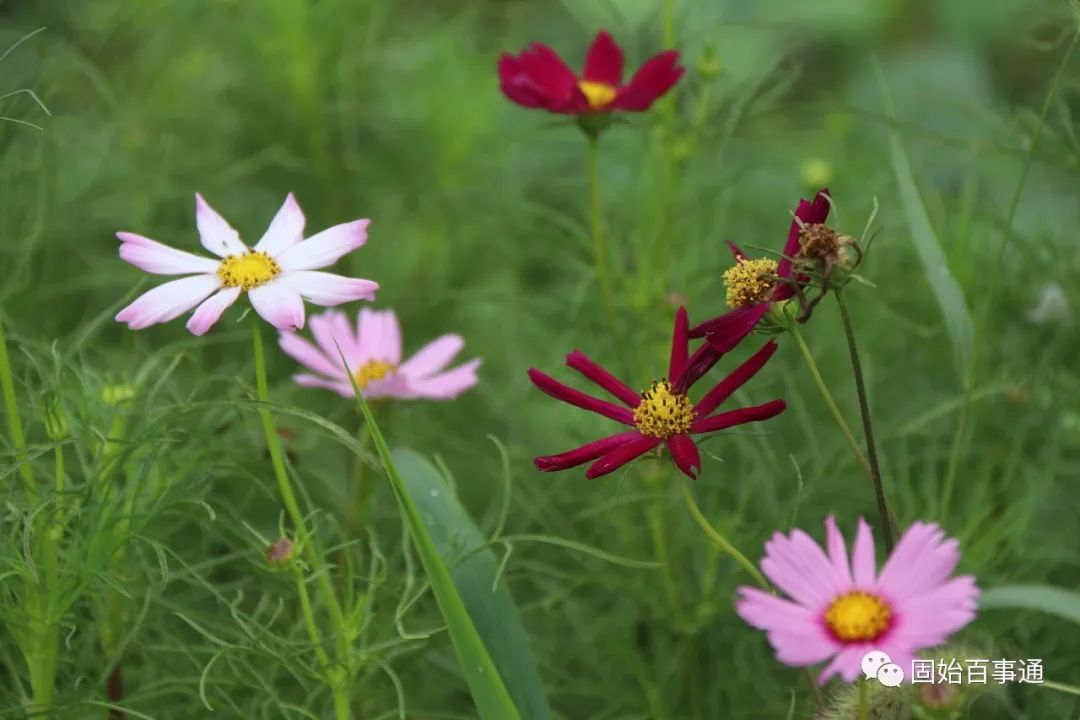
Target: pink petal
(325,248)
(433,357)
(333,334)
(279,305)
(343,389)
(168,301)
(604,61)
(863,563)
(209,312)
(444,386)
(837,553)
(285,230)
(847,663)
(929,618)
(380,337)
(796,634)
(153,257)
(216,234)
(328,289)
(798,567)
(921,560)
(310,356)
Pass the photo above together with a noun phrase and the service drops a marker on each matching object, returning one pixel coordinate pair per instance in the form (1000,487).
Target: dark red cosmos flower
(539,78)
(749,283)
(662,414)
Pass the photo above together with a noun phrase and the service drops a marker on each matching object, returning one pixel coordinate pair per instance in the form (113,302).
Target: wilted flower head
(841,610)
(663,413)
(539,78)
(278,273)
(373,353)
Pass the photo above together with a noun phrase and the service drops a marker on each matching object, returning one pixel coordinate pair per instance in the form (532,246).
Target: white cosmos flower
(278,274)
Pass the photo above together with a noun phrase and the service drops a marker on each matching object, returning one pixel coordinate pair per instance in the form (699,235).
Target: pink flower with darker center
(373,353)
(843,610)
(278,273)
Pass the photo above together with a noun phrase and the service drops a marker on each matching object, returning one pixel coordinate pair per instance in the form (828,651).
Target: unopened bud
(280,552)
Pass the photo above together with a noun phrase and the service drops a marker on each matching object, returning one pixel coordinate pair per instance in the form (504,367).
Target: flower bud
(280,552)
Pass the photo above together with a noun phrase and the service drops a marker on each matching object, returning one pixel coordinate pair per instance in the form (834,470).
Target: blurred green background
(391,110)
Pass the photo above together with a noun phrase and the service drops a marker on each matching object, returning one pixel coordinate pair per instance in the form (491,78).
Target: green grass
(480,225)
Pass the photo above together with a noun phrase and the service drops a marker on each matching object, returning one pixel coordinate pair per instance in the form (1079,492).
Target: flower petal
(847,664)
(701,362)
(727,331)
(929,618)
(553,80)
(215,233)
(446,385)
(328,289)
(679,345)
(604,61)
(863,563)
(585,453)
(154,257)
(285,230)
(755,413)
(587,367)
(569,395)
(279,305)
(168,301)
(795,633)
(807,213)
(724,389)
(431,358)
(619,456)
(305,353)
(209,312)
(921,561)
(658,75)
(685,454)
(324,248)
(341,387)
(837,553)
(797,566)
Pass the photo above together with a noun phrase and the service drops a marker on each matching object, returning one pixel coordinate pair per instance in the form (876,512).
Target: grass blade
(1064,604)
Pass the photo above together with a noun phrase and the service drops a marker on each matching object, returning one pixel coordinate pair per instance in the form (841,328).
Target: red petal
(604,61)
(621,455)
(517,86)
(809,213)
(583,454)
(699,363)
(658,75)
(552,77)
(736,251)
(732,418)
(679,345)
(557,390)
(584,365)
(685,454)
(727,331)
(735,380)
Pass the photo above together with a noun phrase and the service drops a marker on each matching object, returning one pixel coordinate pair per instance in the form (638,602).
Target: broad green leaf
(493,611)
(1049,599)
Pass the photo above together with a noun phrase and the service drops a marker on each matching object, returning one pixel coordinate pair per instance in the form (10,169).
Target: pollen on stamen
(599,95)
(858,616)
(749,282)
(247,271)
(372,371)
(663,412)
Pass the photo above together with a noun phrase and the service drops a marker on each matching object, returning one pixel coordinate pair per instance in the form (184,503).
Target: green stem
(361,491)
(719,539)
(340,685)
(597,223)
(669,24)
(309,617)
(14,421)
(868,428)
(833,407)
(864,700)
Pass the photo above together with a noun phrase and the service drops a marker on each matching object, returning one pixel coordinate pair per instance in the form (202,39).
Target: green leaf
(485,684)
(493,611)
(1049,599)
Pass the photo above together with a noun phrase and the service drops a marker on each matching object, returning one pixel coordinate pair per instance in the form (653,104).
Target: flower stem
(669,24)
(833,407)
(14,421)
(339,677)
(864,700)
(597,223)
(868,427)
(719,539)
(361,491)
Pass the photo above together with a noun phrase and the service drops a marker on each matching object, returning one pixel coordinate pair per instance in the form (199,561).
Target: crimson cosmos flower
(663,413)
(750,290)
(539,78)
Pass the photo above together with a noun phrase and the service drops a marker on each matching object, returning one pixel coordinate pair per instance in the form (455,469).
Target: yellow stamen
(371,371)
(599,95)
(247,271)
(858,616)
(663,412)
(748,282)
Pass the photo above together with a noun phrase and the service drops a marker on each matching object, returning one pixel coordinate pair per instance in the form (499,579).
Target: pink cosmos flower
(278,274)
(843,611)
(373,353)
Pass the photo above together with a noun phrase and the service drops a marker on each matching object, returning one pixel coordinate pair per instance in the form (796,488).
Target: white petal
(279,305)
(168,301)
(325,248)
(153,257)
(433,357)
(216,235)
(209,312)
(328,289)
(286,229)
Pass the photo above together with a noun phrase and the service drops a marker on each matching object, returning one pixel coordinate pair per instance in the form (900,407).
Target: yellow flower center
(749,282)
(858,616)
(371,371)
(598,94)
(247,271)
(663,412)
